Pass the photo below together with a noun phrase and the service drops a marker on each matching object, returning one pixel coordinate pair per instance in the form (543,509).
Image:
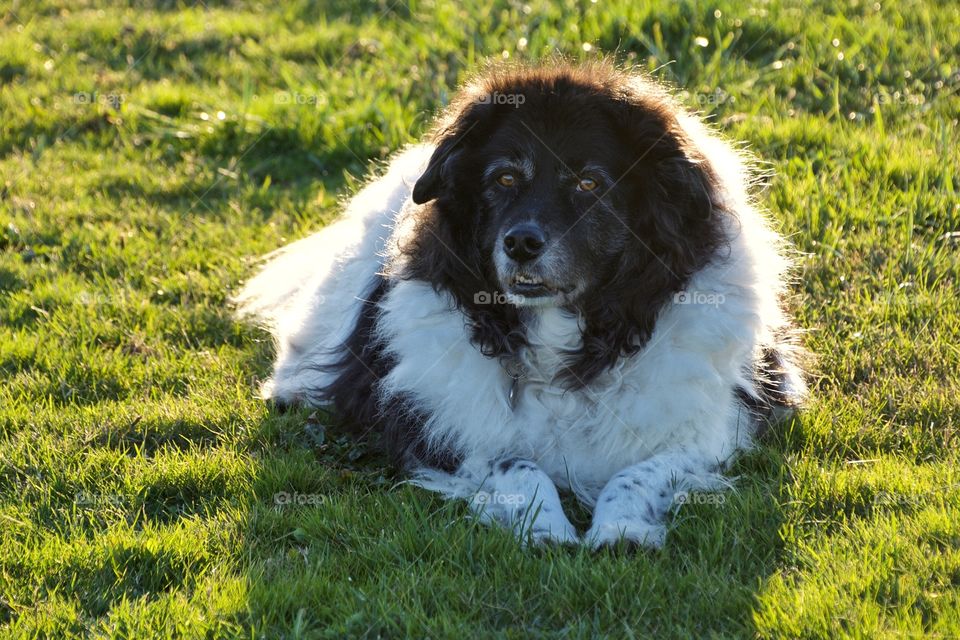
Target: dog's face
(557,180)
(553,209)
(564,187)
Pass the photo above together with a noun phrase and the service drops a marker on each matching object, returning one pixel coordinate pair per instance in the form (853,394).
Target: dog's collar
(517,372)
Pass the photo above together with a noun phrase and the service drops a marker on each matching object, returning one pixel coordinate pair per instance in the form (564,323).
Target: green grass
(148,153)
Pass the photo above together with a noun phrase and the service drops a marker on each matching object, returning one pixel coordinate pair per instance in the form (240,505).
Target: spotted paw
(606,534)
(560,535)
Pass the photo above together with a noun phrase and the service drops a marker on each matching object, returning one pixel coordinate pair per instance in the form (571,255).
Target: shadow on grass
(335,545)
(291,166)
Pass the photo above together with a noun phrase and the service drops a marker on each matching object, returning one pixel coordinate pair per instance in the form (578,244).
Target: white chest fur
(670,394)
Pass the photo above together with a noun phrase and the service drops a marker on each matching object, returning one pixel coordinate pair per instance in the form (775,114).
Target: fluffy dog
(570,286)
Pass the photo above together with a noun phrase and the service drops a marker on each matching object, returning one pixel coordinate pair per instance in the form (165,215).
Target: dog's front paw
(555,534)
(638,532)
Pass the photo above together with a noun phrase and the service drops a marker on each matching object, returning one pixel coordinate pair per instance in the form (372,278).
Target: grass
(148,152)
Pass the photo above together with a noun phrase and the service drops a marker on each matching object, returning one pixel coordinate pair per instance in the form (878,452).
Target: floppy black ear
(678,196)
(677,184)
(457,138)
(690,184)
(439,170)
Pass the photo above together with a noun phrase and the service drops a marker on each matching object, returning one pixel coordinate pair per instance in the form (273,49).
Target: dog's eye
(506,179)
(586,184)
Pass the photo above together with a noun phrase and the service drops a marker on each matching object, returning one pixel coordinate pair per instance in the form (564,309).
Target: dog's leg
(512,492)
(634,502)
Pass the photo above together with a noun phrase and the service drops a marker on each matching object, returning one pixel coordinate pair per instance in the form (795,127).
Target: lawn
(149,153)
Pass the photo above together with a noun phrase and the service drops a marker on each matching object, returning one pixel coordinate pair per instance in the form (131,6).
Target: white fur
(664,418)
(308,295)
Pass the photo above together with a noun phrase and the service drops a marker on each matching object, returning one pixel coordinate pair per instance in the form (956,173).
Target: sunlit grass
(149,154)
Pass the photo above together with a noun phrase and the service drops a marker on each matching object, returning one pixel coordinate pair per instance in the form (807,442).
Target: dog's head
(566,186)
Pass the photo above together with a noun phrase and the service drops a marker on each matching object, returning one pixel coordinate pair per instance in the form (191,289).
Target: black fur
(769,399)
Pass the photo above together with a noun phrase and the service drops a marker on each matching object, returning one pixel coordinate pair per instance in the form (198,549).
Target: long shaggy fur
(659,361)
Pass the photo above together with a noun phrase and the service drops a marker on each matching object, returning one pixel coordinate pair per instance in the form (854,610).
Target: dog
(569,287)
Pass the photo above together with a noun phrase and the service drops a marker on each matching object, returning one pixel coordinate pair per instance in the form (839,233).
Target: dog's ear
(679,183)
(677,194)
(674,185)
(691,185)
(453,141)
(439,170)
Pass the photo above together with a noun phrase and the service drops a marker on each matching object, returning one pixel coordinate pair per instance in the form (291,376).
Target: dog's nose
(524,241)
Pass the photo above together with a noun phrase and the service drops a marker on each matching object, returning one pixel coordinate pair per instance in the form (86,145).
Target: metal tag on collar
(513,395)
(516,371)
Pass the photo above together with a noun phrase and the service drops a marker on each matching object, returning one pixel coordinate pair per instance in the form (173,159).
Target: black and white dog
(570,286)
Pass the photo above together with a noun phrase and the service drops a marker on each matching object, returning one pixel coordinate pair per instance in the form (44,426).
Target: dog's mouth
(529,286)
